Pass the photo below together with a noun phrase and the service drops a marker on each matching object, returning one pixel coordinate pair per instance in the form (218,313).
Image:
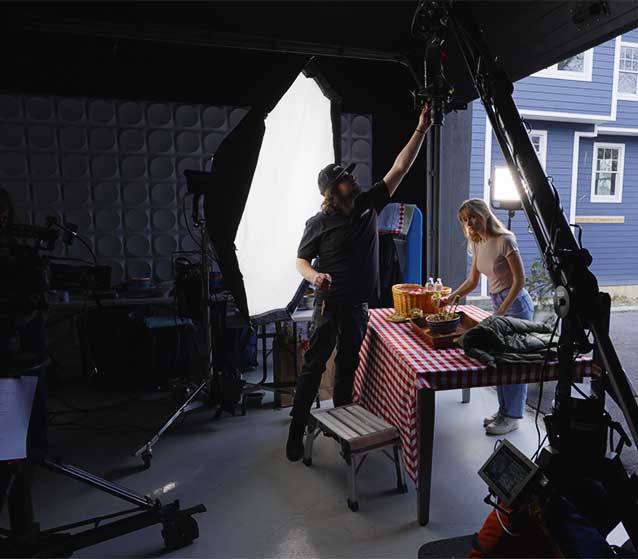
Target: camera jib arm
(584,310)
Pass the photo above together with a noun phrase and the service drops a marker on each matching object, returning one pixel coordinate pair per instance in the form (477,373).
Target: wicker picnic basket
(405,298)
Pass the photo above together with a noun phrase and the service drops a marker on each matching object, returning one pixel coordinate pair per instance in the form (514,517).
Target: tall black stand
(195,400)
(433,196)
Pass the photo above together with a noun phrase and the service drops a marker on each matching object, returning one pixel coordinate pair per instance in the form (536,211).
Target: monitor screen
(507,471)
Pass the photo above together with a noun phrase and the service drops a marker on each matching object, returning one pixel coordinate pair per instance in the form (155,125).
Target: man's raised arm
(408,154)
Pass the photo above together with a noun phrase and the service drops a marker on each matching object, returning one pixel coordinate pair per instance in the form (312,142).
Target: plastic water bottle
(438,286)
(429,286)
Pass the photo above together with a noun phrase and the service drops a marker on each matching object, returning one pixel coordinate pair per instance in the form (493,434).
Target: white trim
(487,168)
(584,76)
(575,155)
(617,130)
(585,118)
(614,82)
(487,171)
(543,145)
(626,96)
(617,197)
(565,117)
(487,174)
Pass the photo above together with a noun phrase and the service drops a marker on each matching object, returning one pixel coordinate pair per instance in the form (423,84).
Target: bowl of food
(443,322)
(418,317)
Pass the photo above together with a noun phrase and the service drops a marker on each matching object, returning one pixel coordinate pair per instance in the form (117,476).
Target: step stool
(359,432)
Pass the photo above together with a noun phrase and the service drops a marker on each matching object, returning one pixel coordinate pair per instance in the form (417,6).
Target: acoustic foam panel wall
(115,168)
(356,146)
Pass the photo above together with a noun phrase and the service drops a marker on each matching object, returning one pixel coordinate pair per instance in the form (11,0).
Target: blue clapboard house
(583,120)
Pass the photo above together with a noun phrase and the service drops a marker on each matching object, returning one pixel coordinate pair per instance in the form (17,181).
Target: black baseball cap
(331,174)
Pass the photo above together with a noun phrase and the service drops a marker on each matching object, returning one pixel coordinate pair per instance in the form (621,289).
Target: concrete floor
(259,504)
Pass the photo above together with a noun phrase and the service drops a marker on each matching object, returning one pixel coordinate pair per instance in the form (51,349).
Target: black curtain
(232,174)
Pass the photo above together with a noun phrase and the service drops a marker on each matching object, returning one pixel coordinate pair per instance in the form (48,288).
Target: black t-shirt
(347,247)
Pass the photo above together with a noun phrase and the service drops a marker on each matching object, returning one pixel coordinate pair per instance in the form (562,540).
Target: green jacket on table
(501,339)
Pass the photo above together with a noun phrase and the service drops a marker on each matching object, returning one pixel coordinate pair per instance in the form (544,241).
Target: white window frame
(584,76)
(542,156)
(622,95)
(617,197)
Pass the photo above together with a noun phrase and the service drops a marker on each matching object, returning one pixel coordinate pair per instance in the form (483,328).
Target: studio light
(503,192)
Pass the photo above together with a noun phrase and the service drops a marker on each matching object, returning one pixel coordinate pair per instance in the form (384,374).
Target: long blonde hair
(493,225)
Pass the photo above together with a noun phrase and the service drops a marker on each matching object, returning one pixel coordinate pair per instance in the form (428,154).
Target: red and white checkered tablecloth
(396,362)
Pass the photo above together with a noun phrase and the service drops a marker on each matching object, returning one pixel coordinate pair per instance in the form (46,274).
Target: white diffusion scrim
(283,195)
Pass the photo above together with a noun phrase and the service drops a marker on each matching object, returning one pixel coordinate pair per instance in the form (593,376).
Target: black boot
(294,446)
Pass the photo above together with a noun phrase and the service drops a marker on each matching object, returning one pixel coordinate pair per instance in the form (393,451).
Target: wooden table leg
(425,446)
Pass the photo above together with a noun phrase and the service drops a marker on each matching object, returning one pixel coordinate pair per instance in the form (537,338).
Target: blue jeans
(512,397)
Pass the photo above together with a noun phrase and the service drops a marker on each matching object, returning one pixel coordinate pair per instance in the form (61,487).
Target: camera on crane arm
(430,24)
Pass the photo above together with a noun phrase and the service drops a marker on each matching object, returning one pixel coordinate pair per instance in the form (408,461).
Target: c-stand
(194,401)
(577,429)
(24,285)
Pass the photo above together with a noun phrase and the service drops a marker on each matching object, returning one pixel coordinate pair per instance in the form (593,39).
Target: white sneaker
(502,425)
(491,418)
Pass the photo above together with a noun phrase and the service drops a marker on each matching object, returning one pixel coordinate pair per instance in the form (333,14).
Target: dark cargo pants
(343,325)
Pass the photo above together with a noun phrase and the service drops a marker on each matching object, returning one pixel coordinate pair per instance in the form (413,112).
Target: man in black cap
(344,236)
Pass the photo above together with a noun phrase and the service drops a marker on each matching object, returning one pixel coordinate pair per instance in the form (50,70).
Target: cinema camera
(27,276)
(578,429)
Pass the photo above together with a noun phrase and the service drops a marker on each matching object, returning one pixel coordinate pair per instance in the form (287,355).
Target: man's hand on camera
(322,281)
(424,119)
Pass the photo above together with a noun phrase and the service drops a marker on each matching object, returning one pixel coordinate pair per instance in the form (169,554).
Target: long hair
(7,204)
(332,202)
(493,225)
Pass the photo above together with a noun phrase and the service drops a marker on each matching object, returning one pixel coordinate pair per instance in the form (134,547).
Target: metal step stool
(359,432)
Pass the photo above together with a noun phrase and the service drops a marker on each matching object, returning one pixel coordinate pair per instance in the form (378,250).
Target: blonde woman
(495,253)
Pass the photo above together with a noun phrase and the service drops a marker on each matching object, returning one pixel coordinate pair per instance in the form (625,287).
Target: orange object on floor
(531,540)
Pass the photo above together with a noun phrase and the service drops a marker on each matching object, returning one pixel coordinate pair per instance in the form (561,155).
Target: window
(607,172)
(539,141)
(628,72)
(578,67)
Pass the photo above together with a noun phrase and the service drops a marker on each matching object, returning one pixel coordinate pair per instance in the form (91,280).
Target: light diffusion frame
(298,142)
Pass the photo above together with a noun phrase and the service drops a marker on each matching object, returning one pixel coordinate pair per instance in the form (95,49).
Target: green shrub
(539,285)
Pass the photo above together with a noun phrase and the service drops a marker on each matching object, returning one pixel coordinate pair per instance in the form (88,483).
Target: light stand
(194,401)
(437,94)
(429,25)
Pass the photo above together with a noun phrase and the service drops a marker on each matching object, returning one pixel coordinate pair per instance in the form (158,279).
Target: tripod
(195,400)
